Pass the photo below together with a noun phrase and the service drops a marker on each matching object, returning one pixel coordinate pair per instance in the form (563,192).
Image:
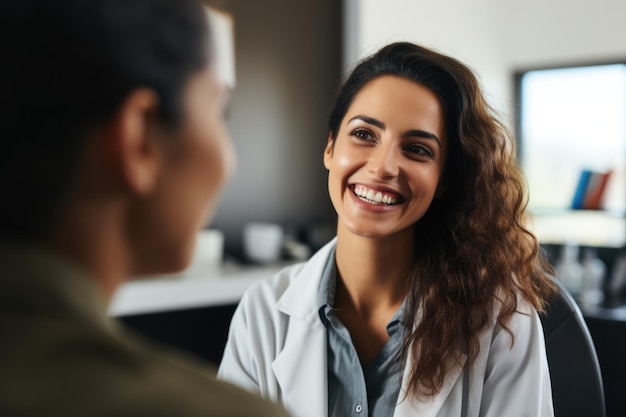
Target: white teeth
(372,196)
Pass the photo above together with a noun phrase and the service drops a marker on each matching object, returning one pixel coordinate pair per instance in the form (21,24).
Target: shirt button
(359,408)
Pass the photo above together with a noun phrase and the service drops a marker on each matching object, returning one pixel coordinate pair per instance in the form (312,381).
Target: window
(572,134)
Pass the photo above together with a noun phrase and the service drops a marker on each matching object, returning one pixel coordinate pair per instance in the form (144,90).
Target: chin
(367,232)
(378,231)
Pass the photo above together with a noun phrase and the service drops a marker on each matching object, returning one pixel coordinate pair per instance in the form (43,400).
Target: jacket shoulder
(182,386)
(83,370)
(271,289)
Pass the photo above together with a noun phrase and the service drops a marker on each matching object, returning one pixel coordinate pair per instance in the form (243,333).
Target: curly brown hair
(472,247)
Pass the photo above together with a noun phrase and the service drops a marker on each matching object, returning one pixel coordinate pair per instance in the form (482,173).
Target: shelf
(585,227)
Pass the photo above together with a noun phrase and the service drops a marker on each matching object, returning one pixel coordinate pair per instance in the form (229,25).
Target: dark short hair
(67,66)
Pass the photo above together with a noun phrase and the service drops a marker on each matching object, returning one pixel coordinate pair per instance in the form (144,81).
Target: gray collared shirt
(353,390)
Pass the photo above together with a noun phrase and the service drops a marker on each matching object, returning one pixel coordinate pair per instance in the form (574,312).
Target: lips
(373,196)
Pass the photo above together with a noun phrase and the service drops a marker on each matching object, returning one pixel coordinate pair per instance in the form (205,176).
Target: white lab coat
(277,347)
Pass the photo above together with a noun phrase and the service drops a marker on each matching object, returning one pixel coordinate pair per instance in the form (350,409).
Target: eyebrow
(418,133)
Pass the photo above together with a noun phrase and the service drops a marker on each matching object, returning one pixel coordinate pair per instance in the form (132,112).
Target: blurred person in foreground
(114,150)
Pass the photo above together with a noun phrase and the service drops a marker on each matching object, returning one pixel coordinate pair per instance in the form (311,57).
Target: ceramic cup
(262,242)
(209,249)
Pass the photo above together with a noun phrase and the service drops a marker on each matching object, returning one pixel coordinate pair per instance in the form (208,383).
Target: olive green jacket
(60,355)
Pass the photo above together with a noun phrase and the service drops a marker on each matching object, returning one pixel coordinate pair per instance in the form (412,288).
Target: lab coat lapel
(409,407)
(300,368)
(301,371)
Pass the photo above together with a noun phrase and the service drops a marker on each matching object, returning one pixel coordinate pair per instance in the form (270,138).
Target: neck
(373,272)
(89,235)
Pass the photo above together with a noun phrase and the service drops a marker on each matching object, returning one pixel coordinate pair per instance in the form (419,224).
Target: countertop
(195,287)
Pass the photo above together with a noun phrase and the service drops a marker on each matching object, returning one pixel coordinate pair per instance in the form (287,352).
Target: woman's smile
(386,162)
(375,196)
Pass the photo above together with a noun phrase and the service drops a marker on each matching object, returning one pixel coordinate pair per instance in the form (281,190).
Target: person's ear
(132,147)
(328,151)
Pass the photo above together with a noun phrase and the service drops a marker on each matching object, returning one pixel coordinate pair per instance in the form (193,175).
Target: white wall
(287,63)
(468,30)
(494,37)
(557,31)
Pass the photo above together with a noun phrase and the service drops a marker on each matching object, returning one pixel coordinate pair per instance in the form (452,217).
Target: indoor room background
(291,57)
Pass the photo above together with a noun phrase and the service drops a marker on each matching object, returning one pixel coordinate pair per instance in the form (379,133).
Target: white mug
(209,249)
(262,242)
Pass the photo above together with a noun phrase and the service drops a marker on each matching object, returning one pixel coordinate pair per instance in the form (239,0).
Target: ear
(328,151)
(131,144)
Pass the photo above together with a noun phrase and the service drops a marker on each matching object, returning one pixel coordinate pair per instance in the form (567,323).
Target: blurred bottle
(569,270)
(594,270)
(617,282)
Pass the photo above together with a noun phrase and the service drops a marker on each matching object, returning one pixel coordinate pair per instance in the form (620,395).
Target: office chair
(577,388)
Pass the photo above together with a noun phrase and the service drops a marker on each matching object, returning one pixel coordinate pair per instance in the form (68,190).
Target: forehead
(400,104)
(390,94)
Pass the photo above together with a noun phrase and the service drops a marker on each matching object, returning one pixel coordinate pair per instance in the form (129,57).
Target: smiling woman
(426,302)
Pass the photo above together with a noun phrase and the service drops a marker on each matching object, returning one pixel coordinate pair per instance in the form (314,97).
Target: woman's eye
(421,150)
(362,134)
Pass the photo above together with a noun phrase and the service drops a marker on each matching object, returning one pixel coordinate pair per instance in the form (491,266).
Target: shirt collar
(328,287)
(328,283)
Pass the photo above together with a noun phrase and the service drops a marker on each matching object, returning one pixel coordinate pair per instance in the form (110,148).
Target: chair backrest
(577,388)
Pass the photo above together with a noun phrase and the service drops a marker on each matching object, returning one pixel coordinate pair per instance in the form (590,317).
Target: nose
(384,161)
